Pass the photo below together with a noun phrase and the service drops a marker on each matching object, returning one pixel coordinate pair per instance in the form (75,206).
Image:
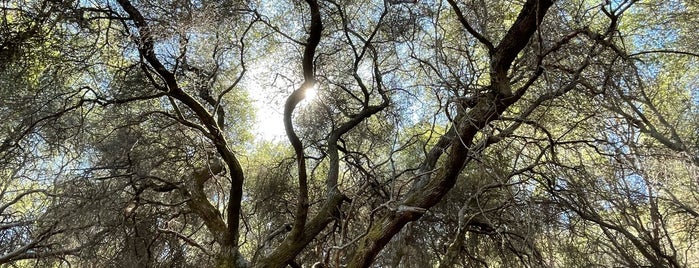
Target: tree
(444,133)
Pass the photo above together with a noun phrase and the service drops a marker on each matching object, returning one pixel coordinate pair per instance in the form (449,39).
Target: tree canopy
(532,133)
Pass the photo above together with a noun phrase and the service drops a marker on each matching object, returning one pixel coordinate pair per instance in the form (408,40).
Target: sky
(269,124)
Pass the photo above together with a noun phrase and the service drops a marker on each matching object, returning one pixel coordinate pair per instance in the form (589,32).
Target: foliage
(530,133)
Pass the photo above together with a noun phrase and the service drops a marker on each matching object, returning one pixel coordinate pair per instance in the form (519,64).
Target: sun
(311,93)
(269,116)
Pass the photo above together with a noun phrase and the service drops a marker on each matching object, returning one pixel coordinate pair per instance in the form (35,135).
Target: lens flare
(311,93)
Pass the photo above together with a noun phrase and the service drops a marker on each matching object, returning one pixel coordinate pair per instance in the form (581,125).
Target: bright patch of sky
(268,91)
(269,124)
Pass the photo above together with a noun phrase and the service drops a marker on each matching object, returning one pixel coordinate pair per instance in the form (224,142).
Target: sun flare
(311,93)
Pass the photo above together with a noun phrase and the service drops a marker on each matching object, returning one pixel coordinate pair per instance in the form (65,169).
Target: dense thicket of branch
(442,133)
